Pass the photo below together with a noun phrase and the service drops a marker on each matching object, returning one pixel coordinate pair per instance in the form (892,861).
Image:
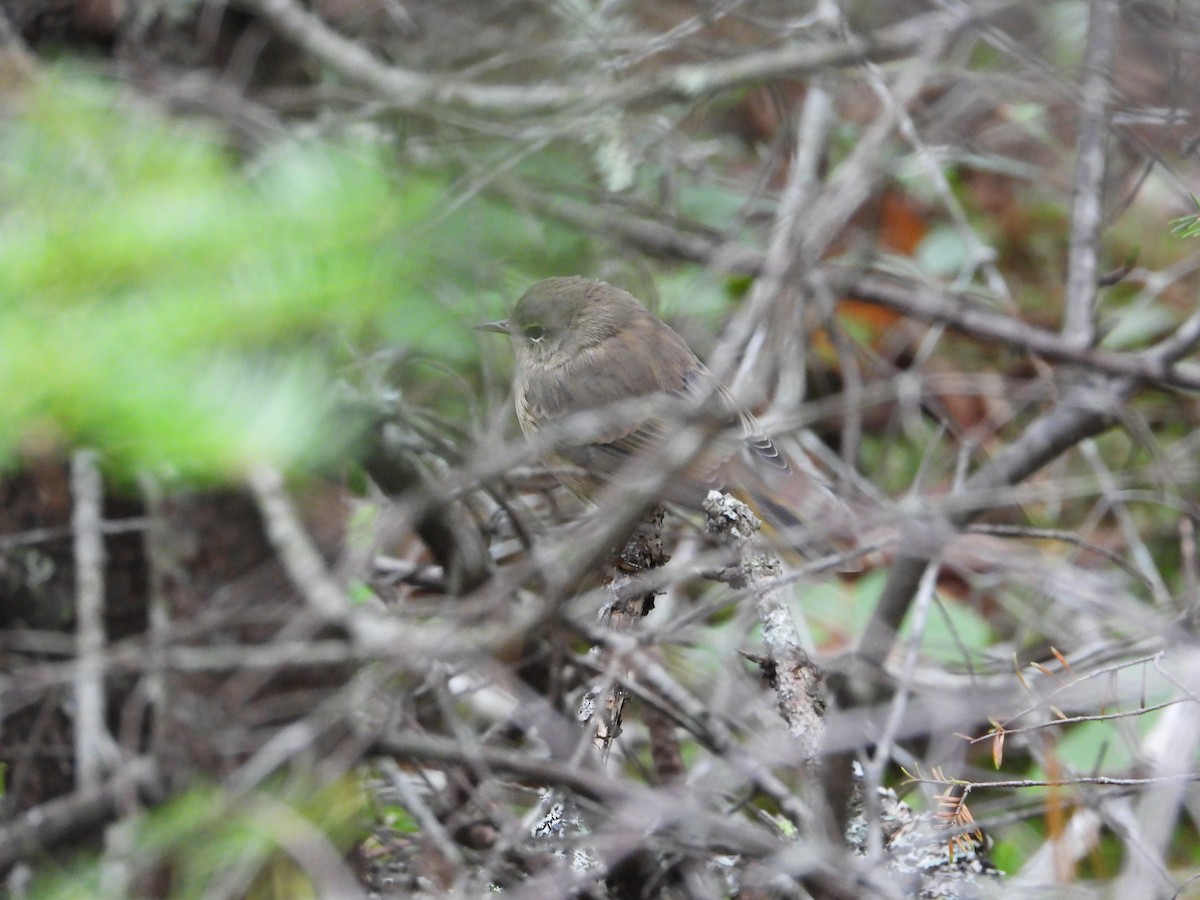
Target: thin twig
(308,572)
(1085,410)
(919,299)
(159,569)
(94,746)
(1079,321)
(425,93)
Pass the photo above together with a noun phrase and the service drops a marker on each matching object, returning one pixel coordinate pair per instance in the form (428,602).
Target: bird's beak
(500,327)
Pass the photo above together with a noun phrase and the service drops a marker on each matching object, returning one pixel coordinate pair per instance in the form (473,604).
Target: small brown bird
(583,345)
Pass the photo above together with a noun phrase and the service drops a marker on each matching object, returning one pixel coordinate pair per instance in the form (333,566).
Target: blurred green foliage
(206,842)
(178,309)
(1188,226)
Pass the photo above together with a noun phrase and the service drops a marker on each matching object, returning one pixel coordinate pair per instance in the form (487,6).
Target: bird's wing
(654,360)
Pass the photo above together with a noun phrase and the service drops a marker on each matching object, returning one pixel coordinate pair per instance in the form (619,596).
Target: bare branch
(423,92)
(296,551)
(94,748)
(1079,325)
(921,300)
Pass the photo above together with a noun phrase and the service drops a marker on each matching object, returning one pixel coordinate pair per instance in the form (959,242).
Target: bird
(582,345)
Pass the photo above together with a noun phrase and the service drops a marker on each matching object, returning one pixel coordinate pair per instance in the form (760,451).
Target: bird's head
(558,318)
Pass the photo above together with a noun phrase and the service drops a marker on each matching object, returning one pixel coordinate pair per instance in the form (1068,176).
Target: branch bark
(1079,324)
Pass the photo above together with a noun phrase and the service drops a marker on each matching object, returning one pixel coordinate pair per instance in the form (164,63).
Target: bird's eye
(535,332)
